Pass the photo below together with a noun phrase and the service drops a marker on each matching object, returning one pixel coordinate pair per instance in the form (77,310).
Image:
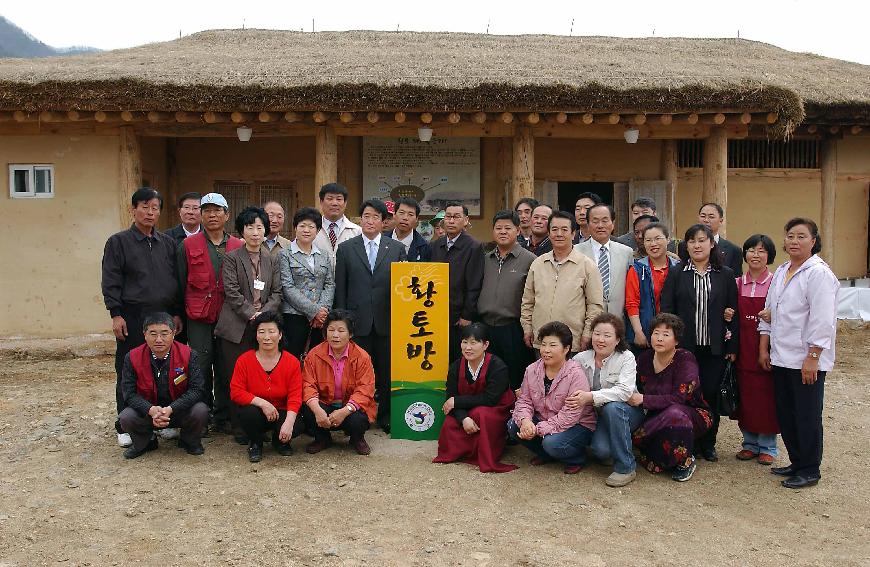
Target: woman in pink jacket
(541,421)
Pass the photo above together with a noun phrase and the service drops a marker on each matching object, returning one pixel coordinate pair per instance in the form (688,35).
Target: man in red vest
(162,387)
(200,259)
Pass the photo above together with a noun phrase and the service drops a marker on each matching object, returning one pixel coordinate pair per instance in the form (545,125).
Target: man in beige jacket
(562,285)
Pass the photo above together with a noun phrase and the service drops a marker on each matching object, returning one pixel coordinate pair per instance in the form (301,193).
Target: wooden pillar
(716,170)
(829,198)
(523,179)
(130,173)
(325,159)
(669,175)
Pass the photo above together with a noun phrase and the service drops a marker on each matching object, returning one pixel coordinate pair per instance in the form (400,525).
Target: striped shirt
(702,298)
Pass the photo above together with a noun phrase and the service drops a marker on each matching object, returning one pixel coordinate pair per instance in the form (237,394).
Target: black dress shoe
(783,471)
(131,452)
(283,449)
(710,455)
(255,452)
(192,448)
(800,481)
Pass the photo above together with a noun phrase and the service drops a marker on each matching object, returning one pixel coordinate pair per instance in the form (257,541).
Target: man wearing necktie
(612,258)
(335,227)
(362,286)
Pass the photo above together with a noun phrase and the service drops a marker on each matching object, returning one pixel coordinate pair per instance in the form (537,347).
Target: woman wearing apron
(756,412)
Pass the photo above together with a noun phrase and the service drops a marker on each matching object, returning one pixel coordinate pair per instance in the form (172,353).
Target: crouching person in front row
(162,387)
(339,386)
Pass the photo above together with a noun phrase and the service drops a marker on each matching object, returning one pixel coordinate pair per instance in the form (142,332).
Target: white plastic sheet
(854,302)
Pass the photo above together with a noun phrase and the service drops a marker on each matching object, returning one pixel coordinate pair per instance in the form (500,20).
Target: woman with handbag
(307,284)
(699,291)
(756,411)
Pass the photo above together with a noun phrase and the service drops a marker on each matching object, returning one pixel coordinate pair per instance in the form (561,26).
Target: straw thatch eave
(225,70)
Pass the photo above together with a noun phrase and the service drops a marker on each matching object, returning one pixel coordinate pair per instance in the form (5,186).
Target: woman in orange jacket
(338,386)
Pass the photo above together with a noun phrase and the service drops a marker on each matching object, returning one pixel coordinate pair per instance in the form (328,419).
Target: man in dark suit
(712,215)
(465,256)
(405,231)
(362,286)
(191,218)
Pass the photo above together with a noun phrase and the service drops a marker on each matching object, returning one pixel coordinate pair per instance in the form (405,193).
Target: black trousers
(133,317)
(710,368)
(224,409)
(201,339)
(455,342)
(506,342)
(254,423)
(799,413)
(355,425)
(296,331)
(378,347)
(192,423)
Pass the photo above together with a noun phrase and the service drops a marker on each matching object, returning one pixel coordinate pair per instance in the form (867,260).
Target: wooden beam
(855,130)
(325,158)
(101,116)
(399,117)
(74,115)
(835,129)
(692,118)
(242,117)
(639,119)
(812,128)
(523,168)
(669,174)
(215,117)
(130,174)
(426,117)
(828,155)
(533,118)
(715,179)
(588,118)
(20,116)
(454,118)
(5,116)
(373,117)
(154,117)
(745,118)
(772,117)
(666,119)
(49,116)
(506,117)
(292,117)
(320,117)
(345,117)
(479,117)
(183,117)
(561,118)
(266,117)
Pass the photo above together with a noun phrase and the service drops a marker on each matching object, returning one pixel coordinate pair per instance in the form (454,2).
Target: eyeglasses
(654,240)
(161,334)
(454,217)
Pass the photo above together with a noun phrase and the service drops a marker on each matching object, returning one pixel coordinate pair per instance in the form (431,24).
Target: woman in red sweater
(267,387)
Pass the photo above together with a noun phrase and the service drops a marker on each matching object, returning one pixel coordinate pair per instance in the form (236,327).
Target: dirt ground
(67,496)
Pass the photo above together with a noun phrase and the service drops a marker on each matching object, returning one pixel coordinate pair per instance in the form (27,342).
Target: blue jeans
(612,437)
(759,442)
(568,446)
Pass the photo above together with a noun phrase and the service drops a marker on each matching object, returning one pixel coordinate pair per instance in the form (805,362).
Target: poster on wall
(433,173)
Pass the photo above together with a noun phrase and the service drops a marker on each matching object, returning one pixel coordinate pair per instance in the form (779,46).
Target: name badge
(259,285)
(179,379)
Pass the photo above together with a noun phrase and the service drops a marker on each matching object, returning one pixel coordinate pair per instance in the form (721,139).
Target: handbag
(729,397)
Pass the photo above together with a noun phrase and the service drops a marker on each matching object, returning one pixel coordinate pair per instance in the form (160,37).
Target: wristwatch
(813,355)
(349,407)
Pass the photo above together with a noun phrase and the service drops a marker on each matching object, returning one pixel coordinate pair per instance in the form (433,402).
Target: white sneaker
(619,479)
(169,433)
(124,440)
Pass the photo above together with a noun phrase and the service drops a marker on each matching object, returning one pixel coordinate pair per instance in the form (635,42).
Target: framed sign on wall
(433,173)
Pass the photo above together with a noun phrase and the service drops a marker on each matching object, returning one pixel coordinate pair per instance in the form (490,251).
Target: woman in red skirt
(479,401)
(756,412)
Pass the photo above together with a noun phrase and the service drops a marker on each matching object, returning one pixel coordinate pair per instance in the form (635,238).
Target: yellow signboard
(420,335)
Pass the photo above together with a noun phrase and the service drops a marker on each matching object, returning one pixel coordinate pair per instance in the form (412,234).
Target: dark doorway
(569,191)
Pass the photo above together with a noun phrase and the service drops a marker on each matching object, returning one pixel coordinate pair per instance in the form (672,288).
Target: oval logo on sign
(420,416)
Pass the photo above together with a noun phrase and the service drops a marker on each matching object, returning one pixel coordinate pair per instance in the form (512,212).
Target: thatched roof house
(255,70)
(273,115)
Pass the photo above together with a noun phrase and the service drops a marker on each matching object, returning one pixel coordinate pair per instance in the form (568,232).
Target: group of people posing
(564,339)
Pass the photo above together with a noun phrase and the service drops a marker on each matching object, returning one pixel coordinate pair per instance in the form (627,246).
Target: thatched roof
(224,70)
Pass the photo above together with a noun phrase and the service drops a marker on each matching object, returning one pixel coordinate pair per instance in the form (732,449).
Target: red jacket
(357,382)
(179,357)
(282,387)
(203,292)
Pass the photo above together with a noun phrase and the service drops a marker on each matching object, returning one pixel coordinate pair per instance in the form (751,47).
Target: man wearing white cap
(200,261)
